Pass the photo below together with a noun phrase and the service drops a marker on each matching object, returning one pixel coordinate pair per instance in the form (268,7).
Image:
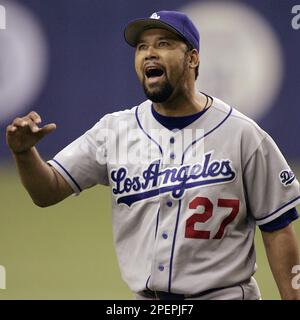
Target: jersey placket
(164,241)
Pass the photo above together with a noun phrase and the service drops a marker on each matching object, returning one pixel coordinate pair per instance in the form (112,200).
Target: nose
(151,53)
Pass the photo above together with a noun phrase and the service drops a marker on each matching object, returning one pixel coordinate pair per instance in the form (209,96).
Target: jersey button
(172,155)
(172,140)
(169,203)
(165,235)
(161,267)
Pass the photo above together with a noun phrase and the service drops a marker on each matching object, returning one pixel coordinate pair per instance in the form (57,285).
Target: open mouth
(153,72)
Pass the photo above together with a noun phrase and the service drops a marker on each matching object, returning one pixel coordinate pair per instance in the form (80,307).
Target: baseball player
(191,178)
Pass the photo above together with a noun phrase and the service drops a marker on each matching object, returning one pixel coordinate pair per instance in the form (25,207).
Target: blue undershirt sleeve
(281,222)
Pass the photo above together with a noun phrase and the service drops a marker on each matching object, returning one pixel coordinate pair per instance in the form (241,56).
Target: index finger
(35,117)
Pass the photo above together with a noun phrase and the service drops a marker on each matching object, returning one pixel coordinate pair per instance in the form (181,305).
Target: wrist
(23,154)
(294,294)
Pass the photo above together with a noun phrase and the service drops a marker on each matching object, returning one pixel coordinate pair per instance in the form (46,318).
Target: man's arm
(44,184)
(283,253)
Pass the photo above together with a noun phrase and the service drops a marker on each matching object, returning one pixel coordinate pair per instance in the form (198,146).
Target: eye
(163,44)
(141,46)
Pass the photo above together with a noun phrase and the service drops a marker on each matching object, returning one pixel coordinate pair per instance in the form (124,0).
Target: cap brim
(134,29)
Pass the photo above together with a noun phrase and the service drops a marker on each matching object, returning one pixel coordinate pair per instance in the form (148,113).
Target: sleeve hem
(277,213)
(66,175)
(281,222)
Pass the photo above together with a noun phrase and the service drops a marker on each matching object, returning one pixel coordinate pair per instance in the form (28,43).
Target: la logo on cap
(155,16)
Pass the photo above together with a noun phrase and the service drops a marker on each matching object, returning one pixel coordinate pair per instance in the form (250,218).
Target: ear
(194,59)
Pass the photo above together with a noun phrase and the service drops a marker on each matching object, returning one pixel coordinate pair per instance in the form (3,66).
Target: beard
(159,94)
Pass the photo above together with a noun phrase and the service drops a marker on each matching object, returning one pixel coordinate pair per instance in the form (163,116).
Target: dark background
(91,70)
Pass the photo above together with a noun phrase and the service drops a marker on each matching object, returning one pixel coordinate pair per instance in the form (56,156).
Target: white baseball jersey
(185,203)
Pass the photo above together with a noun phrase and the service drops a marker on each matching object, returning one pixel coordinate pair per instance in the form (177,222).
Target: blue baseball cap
(173,21)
